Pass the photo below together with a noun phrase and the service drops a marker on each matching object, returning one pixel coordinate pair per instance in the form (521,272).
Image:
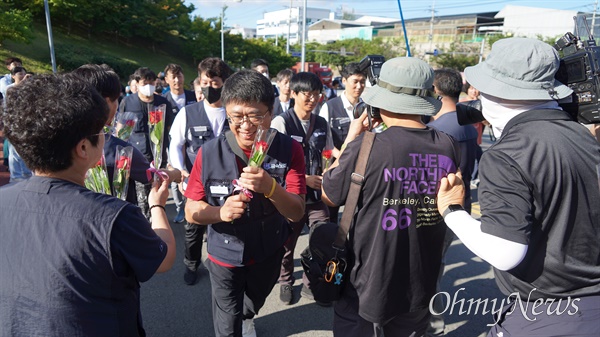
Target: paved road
(171,308)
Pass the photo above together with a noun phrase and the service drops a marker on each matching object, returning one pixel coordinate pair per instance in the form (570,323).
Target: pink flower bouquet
(122,171)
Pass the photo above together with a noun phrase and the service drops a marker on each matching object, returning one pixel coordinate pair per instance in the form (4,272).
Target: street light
(223,30)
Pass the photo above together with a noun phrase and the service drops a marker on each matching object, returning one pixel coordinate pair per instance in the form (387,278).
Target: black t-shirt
(539,187)
(396,237)
(466,138)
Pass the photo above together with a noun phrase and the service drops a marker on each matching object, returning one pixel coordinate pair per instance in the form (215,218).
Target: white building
(533,21)
(275,24)
(246,33)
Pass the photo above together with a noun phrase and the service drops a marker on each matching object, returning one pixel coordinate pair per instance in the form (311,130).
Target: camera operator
(540,224)
(397,234)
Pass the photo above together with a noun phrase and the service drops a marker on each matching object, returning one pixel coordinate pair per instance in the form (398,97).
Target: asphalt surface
(172,308)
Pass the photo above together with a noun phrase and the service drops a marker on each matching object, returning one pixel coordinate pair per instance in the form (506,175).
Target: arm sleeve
(177,135)
(295,180)
(195,188)
(278,123)
(134,245)
(501,253)
(505,198)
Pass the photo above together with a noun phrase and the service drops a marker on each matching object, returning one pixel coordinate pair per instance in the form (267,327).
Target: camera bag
(325,260)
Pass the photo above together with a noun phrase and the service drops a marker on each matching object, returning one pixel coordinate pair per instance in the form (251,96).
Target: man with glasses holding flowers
(247,230)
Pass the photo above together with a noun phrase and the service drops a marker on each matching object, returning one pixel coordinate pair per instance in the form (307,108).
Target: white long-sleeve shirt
(216,116)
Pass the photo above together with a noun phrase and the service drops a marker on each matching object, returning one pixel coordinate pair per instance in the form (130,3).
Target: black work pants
(193,245)
(238,293)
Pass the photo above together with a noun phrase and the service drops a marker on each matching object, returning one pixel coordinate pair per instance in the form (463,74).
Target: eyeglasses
(252,119)
(106,132)
(310,96)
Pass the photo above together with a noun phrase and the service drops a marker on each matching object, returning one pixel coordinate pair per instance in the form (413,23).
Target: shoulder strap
(357,180)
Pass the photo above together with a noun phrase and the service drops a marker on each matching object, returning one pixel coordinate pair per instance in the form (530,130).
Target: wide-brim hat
(519,69)
(405,86)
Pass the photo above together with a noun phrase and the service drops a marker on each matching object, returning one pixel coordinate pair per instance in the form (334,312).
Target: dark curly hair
(248,86)
(47,115)
(448,82)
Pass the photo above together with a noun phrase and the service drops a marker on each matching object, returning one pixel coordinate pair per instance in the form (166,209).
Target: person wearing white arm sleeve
(500,253)
(539,192)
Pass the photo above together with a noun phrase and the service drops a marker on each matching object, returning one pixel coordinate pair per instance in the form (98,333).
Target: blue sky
(246,13)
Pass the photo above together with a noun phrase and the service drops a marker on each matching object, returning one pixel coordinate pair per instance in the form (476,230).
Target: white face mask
(146,90)
(498,111)
(266,75)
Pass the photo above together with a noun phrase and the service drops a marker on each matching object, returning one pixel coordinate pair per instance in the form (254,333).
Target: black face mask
(211,94)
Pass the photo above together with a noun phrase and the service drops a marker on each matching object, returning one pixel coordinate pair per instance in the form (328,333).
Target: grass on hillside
(36,55)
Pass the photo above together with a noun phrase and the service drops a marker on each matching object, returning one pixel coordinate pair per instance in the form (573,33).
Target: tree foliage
(330,54)
(15,24)
(458,57)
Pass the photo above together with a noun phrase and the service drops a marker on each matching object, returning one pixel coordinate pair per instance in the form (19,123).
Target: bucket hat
(405,86)
(519,69)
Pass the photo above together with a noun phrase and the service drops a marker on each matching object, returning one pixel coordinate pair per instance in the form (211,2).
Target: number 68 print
(392,219)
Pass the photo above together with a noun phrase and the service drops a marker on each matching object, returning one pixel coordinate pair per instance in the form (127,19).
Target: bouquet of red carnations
(327,153)
(122,170)
(156,123)
(96,178)
(261,145)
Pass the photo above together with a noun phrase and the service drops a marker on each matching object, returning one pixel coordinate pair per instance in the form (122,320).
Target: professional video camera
(371,66)
(579,69)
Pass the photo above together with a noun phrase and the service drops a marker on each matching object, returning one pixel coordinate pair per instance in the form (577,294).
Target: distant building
(246,33)
(275,24)
(324,31)
(532,21)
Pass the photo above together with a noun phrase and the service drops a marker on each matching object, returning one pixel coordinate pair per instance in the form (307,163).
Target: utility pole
(594,17)
(304,35)
(431,26)
(287,47)
(223,33)
(50,38)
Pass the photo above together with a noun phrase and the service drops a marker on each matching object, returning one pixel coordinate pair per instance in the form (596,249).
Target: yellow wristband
(268,196)
(343,147)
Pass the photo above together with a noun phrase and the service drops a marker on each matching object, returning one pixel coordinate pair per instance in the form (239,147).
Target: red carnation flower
(122,163)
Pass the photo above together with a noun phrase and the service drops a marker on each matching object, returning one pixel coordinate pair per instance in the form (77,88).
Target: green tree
(330,55)
(15,24)
(458,57)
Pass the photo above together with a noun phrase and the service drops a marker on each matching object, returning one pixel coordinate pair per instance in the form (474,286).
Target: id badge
(219,190)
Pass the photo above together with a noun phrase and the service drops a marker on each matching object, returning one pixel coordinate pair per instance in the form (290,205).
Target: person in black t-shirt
(397,234)
(540,224)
